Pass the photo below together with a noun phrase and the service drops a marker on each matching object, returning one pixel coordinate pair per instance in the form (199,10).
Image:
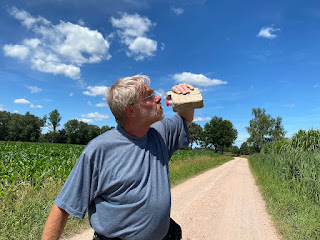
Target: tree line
(28,127)
(218,134)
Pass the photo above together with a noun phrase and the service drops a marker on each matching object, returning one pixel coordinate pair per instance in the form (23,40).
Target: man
(122,176)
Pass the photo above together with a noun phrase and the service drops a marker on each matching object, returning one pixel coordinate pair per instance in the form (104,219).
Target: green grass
(32,175)
(186,164)
(289,183)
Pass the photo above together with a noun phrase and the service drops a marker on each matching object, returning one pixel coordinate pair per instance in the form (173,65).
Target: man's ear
(130,111)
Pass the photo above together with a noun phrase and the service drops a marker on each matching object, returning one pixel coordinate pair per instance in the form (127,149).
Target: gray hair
(125,92)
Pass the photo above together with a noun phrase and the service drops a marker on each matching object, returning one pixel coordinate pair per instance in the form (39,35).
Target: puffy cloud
(18,51)
(196,79)
(96,90)
(34,89)
(177,11)
(142,46)
(132,30)
(95,116)
(21,101)
(268,32)
(24,101)
(58,49)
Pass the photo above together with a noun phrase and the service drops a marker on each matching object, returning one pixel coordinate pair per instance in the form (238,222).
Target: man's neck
(135,130)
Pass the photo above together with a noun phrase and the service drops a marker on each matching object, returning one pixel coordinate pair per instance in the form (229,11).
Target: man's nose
(157,98)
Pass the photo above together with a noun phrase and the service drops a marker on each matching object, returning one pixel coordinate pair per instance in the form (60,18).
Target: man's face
(150,106)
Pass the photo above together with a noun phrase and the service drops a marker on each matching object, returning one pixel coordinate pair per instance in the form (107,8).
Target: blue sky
(241,54)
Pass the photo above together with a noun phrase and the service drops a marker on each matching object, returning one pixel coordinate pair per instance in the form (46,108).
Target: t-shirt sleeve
(76,194)
(175,132)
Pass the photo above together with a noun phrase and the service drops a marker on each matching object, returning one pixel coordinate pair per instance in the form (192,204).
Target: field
(288,175)
(32,175)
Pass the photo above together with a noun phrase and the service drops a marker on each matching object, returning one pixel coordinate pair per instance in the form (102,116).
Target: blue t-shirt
(124,181)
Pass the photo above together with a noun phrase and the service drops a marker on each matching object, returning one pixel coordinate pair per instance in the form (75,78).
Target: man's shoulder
(105,139)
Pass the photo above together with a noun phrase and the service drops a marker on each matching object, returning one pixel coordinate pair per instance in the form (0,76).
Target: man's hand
(184,88)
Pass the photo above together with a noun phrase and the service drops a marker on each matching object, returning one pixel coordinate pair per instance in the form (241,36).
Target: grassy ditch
(290,183)
(32,175)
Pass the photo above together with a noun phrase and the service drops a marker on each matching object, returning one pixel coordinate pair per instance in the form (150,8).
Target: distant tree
(54,118)
(72,129)
(195,133)
(105,128)
(244,149)
(83,133)
(93,132)
(264,129)
(219,133)
(25,127)
(235,150)
(4,125)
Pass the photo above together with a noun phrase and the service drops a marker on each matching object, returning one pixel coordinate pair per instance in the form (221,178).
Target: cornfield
(296,162)
(32,163)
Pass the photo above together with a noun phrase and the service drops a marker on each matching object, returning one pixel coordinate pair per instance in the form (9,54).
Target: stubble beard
(151,116)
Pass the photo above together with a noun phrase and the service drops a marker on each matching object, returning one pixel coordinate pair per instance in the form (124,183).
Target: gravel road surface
(223,203)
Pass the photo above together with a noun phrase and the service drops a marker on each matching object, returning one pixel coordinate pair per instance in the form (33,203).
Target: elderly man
(122,176)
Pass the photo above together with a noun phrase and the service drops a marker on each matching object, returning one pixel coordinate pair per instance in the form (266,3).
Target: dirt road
(223,203)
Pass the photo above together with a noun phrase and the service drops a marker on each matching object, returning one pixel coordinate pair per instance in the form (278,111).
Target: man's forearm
(187,115)
(55,224)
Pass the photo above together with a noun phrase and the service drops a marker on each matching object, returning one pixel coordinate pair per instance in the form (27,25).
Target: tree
(219,133)
(25,127)
(72,129)
(244,149)
(235,150)
(105,128)
(4,121)
(195,133)
(264,129)
(54,118)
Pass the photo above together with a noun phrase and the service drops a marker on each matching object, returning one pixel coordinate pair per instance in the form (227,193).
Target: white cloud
(26,19)
(268,32)
(142,47)
(21,101)
(85,120)
(102,104)
(177,11)
(96,90)
(34,89)
(58,49)
(2,107)
(132,31)
(89,103)
(24,101)
(196,79)
(17,51)
(35,106)
(95,116)
(201,119)
(71,94)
